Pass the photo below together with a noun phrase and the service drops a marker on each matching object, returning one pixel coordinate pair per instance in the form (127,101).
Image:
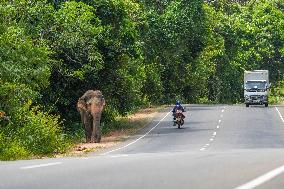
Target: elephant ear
(81,105)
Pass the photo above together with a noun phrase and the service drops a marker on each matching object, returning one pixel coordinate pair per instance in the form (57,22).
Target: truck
(256,87)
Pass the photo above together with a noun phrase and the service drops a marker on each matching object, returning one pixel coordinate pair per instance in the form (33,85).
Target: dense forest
(137,52)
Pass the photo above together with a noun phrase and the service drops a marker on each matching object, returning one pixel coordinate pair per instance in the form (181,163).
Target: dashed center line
(214,133)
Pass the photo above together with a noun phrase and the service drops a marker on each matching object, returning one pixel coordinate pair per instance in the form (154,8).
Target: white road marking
(139,137)
(279,114)
(214,134)
(262,179)
(122,155)
(40,165)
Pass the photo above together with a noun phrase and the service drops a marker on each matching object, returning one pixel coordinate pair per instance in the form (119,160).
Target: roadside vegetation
(139,53)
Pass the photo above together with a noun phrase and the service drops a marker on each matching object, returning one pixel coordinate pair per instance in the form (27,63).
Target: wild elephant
(90,107)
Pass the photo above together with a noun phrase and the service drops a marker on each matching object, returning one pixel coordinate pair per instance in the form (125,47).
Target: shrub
(32,132)
(40,132)
(277,93)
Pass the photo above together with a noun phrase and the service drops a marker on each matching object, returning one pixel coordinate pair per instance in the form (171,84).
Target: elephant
(90,107)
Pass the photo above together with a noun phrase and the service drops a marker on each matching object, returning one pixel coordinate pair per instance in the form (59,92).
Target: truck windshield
(255,85)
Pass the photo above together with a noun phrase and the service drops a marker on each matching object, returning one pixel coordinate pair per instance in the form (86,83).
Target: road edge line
(139,137)
(263,178)
(279,114)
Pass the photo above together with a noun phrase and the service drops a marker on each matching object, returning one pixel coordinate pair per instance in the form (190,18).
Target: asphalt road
(220,146)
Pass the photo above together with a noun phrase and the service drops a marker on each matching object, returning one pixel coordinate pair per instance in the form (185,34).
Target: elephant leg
(87,121)
(89,128)
(84,119)
(96,134)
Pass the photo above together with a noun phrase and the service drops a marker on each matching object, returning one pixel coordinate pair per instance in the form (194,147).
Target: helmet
(177,102)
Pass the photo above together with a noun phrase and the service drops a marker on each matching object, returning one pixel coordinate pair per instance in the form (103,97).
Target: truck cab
(256,87)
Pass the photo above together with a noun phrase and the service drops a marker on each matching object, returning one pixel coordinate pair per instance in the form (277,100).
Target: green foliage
(32,132)
(123,75)
(21,94)
(11,150)
(245,37)
(174,38)
(40,132)
(25,63)
(153,86)
(22,61)
(277,93)
(73,38)
(25,68)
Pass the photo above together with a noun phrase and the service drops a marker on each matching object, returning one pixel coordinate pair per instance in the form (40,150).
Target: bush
(13,151)
(32,132)
(277,93)
(40,133)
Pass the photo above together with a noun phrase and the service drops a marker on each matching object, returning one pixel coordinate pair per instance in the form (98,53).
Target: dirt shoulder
(134,122)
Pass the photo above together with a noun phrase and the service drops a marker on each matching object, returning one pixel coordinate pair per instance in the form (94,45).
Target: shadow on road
(191,109)
(182,130)
(258,106)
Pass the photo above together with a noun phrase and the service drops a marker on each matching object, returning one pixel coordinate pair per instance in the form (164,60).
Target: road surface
(220,146)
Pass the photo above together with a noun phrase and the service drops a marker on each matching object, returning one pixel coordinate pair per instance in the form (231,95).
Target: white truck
(256,87)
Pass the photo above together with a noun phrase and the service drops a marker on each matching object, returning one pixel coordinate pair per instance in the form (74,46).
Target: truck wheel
(247,105)
(266,104)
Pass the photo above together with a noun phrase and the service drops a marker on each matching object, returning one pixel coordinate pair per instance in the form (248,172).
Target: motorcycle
(179,118)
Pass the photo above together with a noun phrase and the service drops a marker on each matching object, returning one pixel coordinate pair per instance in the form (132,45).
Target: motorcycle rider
(178,106)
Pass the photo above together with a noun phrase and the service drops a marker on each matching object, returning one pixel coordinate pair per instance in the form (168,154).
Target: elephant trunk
(96,132)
